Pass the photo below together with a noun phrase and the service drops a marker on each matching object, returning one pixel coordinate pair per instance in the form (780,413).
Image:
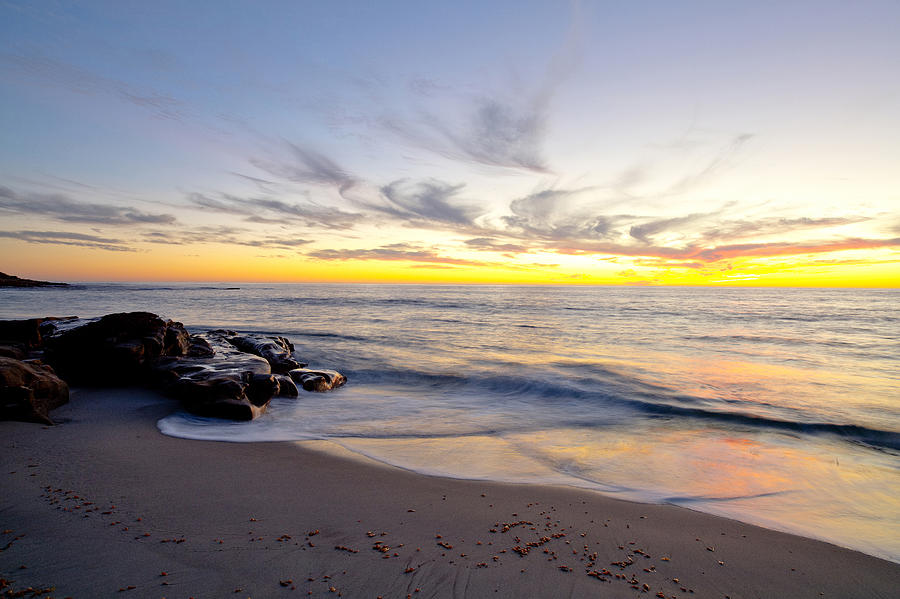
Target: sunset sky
(537,142)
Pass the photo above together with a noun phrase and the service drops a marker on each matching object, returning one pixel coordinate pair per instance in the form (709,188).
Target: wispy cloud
(719,162)
(488,129)
(224,235)
(63,208)
(501,133)
(263,184)
(725,252)
(69,238)
(82,81)
(644,232)
(490,244)
(393,252)
(506,130)
(429,200)
(272,210)
(305,165)
(737,229)
(691,255)
(559,214)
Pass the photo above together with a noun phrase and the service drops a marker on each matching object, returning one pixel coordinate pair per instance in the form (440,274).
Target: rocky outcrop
(317,380)
(22,339)
(14,281)
(28,391)
(217,373)
(277,351)
(224,382)
(286,386)
(114,349)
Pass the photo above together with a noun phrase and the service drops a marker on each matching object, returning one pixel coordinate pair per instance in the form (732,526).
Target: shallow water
(779,407)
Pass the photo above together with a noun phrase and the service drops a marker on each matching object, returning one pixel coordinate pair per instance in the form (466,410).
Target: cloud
(67,238)
(394,252)
(492,245)
(224,235)
(271,210)
(744,250)
(771,226)
(304,165)
(569,221)
(645,231)
(263,184)
(692,254)
(62,208)
(502,133)
(82,81)
(402,252)
(719,162)
(506,130)
(669,263)
(559,214)
(429,200)
(488,130)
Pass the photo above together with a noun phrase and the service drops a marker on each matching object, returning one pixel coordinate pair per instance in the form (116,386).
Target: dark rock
(218,373)
(115,348)
(16,352)
(200,348)
(14,281)
(219,397)
(25,334)
(21,339)
(28,391)
(276,350)
(261,388)
(317,380)
(286,386)
(227,383)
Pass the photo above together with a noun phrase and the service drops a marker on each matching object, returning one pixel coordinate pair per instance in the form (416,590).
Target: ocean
(777,407)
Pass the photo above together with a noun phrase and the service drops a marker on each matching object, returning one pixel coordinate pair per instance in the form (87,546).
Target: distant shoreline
(14,281)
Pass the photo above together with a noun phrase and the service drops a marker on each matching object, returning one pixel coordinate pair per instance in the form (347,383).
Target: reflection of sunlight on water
(767,479)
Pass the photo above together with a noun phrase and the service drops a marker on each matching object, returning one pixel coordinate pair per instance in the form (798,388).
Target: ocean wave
(374,302)
(792,341)
(871,437)
(575,397)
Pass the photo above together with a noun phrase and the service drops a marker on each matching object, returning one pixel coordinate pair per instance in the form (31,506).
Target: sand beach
(103,505)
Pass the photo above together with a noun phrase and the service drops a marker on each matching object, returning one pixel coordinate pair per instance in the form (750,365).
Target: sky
(627,143)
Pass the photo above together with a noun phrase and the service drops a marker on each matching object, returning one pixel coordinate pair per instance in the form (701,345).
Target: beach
(346,299)
(105,505)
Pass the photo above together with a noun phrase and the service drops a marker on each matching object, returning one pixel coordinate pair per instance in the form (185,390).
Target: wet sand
(103,505)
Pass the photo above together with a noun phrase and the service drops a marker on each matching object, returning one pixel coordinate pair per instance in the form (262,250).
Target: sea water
(778,407)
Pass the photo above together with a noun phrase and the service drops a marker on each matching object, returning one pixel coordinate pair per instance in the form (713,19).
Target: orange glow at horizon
(848,268)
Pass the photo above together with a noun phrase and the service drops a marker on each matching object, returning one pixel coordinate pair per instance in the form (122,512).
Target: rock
(115,348)
(276,350)
(24,334)
(218,373)
(21,339)
(227,383)
(200,348)
(286,386)
(29,391)
(261,388)
(14,281)
(16,352)
(218,397)
(317,380)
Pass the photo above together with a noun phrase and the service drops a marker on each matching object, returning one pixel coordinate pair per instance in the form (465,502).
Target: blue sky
(590,139)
